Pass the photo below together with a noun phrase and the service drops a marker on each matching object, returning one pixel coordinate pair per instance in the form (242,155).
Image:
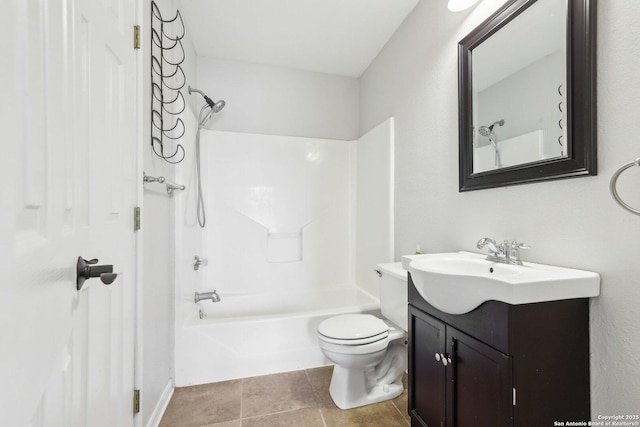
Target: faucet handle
(197,262)
(514,253)
(517,245)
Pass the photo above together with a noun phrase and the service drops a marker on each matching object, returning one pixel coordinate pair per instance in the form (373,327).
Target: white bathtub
(258,334)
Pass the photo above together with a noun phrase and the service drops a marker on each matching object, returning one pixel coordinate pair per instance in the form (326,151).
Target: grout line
(324,422)
(315,398)
(400,412)
(277,413)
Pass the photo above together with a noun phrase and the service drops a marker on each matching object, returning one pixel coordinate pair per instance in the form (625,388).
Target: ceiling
(329,36)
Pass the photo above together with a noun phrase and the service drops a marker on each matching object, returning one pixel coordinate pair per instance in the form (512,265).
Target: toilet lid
(353,327)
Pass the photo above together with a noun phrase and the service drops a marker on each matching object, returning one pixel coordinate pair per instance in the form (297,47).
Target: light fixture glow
(460,5)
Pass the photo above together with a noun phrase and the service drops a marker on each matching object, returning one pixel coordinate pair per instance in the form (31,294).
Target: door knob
(86,269)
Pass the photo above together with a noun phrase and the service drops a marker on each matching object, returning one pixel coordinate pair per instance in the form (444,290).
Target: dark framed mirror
(527,94)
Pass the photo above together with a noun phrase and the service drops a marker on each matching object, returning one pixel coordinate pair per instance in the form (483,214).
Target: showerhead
(215,106)
(485,130)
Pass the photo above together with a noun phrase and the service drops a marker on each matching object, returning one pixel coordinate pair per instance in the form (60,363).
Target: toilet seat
(362,349)
(353,334)
(354,342)
(353,329)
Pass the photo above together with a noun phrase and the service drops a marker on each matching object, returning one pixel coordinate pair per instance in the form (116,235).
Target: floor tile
(382,414)
(276,393)
(235,423)
(402,402)
(202,405)
(320,379)
(306,417)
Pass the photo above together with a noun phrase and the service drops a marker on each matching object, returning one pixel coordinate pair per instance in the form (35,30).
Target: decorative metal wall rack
(167,79)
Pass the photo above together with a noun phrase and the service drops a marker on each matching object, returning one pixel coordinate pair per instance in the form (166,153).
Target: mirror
(527,106)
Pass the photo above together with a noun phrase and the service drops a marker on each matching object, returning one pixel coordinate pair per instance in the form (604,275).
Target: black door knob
(86,270)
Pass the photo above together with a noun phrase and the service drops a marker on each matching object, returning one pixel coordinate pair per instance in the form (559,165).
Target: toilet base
(350,388)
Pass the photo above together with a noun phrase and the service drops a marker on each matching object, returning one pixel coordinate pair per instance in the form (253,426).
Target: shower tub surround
(283,249)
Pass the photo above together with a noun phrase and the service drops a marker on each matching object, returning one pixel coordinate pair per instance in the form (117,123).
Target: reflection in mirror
(519,105)
(527,94)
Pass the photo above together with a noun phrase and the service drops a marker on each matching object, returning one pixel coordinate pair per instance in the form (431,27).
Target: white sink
(458,282)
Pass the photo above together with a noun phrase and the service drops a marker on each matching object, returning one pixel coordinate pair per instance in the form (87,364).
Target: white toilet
(370,354)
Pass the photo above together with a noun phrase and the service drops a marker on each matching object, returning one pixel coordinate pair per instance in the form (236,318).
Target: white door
(68,190)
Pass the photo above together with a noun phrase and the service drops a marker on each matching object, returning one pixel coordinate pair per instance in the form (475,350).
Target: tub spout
(213,296)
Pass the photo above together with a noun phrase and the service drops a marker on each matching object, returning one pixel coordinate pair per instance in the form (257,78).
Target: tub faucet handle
(199,261)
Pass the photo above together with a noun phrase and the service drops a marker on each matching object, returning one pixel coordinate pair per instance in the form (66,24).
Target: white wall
(158,243)
(573,223)
(271,100)
(374,204)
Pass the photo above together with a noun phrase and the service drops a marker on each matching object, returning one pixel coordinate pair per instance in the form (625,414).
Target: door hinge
(136,218)
(136,36)
(136,401)
(514,396)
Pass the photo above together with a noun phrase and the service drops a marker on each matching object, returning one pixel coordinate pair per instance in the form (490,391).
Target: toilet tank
(393,293)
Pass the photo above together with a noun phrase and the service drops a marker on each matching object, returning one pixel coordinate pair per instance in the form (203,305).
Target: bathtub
(257,334)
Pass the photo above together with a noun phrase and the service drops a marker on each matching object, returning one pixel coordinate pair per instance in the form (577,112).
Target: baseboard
(161,406)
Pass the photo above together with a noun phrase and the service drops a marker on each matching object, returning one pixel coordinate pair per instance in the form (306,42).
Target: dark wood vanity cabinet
(499,365)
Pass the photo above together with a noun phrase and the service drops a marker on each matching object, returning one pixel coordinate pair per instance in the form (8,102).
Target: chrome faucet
(213,296)
(497,252)
(504,252)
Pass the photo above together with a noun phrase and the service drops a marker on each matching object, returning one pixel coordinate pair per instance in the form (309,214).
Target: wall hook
(86,269)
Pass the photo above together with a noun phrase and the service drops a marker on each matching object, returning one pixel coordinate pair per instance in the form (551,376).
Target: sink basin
(458,282)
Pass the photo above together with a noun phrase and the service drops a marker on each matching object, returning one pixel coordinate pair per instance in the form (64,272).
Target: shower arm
(216,107)
(196,91)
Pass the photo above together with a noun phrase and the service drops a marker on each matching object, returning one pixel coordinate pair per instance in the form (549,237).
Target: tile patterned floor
(290,399)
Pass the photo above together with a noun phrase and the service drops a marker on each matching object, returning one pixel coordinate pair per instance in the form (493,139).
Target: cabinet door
(427,376)
(480,383)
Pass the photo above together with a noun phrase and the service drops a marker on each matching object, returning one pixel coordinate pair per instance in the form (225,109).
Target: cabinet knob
(446,360)
(437,357)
